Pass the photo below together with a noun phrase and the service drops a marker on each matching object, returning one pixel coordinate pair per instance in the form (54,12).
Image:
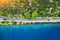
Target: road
(38,19)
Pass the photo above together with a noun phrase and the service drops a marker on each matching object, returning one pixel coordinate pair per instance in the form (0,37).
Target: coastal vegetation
(5,23)
(30,9)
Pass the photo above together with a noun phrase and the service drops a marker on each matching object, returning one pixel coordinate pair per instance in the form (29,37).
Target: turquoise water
(30,32)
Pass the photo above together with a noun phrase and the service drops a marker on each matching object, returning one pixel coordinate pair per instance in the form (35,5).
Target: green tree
(1,13)
(9,15)
(27,15)
(34,14)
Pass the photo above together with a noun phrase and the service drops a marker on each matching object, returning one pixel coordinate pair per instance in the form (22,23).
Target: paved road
(38,19)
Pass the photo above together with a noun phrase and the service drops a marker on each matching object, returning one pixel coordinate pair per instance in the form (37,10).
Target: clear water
(30,32)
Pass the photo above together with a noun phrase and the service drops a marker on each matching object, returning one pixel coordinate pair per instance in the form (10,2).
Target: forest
(30,9)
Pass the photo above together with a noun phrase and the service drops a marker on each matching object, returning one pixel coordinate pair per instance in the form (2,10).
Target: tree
(27,15)
(9,15)
(1,13)
(34,14)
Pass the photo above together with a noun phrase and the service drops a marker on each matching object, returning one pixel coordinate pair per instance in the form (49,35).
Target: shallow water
(30,32)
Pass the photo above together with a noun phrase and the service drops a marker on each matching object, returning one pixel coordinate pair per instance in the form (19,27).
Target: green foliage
(27,15)
(12,22)
(1,22)
(9,15)
(34,14)
(29,11)
(1,14)
(5,23)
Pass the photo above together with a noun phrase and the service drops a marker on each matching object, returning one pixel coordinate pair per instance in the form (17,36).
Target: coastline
(20,21)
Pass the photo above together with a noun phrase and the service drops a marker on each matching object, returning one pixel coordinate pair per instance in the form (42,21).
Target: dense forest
(30,9)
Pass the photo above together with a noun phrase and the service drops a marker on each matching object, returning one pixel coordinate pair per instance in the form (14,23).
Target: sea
(30,32)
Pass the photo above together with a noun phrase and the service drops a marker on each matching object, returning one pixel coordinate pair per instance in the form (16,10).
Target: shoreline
(20,21)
